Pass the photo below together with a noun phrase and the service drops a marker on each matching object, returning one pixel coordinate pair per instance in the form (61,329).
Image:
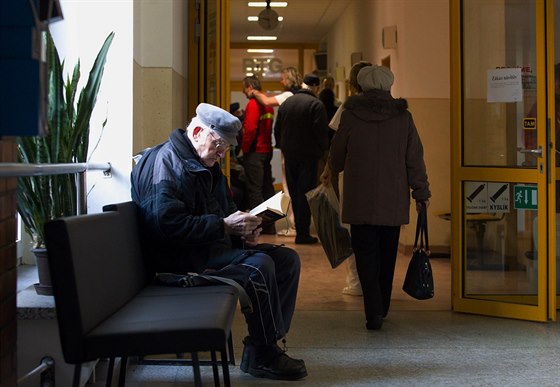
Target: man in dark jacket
(191,225)
(301,132)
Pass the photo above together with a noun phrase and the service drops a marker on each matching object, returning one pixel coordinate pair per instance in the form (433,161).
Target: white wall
(160,42)
(80,35)
(420,63)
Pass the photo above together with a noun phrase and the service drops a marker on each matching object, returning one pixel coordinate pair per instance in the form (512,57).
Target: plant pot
(44,287)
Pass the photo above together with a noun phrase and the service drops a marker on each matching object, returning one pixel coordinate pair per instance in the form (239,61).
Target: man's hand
(421,203)
(253,239)
(241,223)
(325,177)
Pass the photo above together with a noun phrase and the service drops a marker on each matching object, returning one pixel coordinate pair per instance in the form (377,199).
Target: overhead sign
(525,197)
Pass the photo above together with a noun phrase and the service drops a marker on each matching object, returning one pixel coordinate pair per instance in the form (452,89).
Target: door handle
(536,152)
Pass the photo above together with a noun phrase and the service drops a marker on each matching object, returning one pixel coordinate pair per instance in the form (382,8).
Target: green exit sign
(525,197)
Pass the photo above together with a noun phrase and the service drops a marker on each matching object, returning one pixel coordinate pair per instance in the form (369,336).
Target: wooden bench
(107,306)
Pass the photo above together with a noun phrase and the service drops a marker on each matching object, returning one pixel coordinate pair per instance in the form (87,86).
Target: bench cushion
(166,320)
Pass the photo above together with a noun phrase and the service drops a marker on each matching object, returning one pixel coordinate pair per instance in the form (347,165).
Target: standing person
(379,149)
(257,149)
(290,79)
(301,133)
(353,287)
(236,171)
(327,96)
(291,82)
(193,226)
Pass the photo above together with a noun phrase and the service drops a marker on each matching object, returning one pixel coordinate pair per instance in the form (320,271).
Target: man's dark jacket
(182,205)
(301,127)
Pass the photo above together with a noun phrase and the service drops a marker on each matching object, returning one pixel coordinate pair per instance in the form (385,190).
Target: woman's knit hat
(375,77)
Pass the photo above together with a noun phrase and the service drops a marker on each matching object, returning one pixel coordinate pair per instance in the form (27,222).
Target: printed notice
(498,195)
(504,85)
(477,196)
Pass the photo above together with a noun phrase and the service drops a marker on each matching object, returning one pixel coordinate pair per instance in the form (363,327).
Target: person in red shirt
(257,148)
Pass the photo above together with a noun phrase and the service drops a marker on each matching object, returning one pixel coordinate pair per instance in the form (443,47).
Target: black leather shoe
(305,240)
(375,323)
(270,362)
(276,364)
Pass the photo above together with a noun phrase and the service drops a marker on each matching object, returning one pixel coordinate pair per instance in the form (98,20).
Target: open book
(272,209)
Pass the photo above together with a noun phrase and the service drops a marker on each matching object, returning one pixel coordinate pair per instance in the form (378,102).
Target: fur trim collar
(376,101)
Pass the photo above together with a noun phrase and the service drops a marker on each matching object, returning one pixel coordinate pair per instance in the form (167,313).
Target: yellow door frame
(209,71)
(546,296)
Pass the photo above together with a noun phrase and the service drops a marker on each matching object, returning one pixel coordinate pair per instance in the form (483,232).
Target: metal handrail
(45,368)
(22,169)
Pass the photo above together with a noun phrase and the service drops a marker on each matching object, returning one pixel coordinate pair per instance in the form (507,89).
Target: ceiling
(305,21)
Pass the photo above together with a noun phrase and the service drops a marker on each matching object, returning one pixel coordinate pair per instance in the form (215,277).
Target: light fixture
(256,18)
(260,4)
(260,50)
(262,37)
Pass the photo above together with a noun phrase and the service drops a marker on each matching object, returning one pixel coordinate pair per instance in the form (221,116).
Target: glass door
(503,147)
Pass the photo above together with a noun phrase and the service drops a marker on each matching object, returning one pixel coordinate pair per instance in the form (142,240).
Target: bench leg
(122,374)
(77,375)
(196,369)
(230,349)
(110,368)
(215,368)
(225,368)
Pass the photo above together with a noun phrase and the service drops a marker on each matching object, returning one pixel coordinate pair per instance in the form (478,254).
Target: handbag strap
(244,300)
(422,230)
(193,279)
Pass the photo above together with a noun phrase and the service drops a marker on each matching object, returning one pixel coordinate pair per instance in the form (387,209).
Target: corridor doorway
(504,170)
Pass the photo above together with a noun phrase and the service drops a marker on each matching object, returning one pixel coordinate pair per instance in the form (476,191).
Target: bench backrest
(96,266)
(131,212)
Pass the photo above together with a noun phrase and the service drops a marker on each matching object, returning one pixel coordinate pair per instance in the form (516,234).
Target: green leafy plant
(42,198)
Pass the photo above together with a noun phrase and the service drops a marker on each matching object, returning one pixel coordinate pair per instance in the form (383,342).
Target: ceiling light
(260,4)
(260,50)
(256,18)
(262,37)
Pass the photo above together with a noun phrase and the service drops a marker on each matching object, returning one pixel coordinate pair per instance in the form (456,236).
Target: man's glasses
(219,144)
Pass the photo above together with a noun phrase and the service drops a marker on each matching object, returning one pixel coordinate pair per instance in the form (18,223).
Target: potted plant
(42,198)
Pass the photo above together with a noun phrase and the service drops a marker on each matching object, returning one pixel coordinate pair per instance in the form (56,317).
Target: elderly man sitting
(192,225)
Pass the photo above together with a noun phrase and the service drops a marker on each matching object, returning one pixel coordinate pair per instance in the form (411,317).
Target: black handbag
(419,280)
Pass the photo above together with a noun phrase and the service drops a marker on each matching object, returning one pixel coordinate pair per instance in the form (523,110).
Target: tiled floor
(422,343)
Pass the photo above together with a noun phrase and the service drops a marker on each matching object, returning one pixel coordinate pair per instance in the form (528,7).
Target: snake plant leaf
(87,100)
(42,198)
